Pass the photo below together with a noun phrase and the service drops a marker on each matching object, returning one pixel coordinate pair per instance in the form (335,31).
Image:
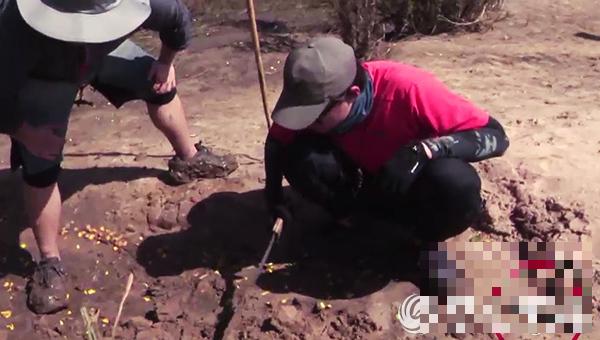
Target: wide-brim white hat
(85,21)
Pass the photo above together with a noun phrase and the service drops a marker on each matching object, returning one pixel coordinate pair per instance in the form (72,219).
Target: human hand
(163,76)
(398,174)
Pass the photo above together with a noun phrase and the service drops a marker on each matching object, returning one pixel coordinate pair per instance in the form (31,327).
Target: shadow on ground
(588,36)
(13,259)
(229,231)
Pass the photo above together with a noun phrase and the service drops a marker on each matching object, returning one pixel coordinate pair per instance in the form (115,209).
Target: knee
(42,179)
(157,100)
(302,164)
(453,185)
(319,174)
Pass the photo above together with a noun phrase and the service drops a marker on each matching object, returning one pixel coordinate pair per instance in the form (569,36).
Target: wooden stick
(259,64)
(127,290)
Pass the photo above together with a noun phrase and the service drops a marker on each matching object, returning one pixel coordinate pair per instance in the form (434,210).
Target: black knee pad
(321,173)
(318,161)
(162,98)
(43,179)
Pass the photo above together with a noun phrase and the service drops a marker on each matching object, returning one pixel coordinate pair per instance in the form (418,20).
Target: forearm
(274,171)
(167,55)
(472,145)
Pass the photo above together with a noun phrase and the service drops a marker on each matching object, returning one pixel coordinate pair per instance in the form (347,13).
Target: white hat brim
(85,28)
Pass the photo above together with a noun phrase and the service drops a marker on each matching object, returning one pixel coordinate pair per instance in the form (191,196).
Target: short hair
(361,76)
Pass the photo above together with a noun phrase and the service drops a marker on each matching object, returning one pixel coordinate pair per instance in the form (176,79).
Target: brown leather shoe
(47,289)
(205,164)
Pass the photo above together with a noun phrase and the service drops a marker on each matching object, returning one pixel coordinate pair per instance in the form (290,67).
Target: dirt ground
(192,248)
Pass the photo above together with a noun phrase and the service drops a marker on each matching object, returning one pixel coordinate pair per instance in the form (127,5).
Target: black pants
(443,201)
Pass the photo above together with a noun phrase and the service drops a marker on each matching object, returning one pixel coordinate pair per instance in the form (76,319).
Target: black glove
(282,210)
(399,173)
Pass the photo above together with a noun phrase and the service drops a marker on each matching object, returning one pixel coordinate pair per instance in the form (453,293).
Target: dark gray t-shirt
(26,53)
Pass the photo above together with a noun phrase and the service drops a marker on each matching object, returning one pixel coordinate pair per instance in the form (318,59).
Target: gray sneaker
(205,164)
(47,289)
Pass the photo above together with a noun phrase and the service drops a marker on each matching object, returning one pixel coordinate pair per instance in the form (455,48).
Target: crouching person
(379,137)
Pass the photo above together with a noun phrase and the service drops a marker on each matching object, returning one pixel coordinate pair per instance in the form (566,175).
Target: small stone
(290,312)
(544,227)
(153,215)
(577,226)
(168,216)
(184,210)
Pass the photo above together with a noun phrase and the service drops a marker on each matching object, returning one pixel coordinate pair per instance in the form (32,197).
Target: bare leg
(170,120)
(43,208)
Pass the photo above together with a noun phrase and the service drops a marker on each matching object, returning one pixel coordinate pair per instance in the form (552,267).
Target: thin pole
(259,64)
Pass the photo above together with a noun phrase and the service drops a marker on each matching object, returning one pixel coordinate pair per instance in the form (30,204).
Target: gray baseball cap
(85,21)
(313,75)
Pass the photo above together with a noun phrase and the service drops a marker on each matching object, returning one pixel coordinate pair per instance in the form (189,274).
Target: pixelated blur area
(507,287)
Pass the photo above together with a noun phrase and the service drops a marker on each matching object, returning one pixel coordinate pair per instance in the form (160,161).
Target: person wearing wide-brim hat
(49,50)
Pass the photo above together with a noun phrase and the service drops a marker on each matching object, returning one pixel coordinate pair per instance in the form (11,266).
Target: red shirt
(409,104)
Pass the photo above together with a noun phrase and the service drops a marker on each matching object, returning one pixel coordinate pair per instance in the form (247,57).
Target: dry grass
(363,23)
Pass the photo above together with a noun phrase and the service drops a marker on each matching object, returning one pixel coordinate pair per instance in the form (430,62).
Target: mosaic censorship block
(507,287)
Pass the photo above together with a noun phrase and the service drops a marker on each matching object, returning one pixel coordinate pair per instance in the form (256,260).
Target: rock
(552,205)
(272,324)
(163,216)
(184,210)
(568,216)
(138,323)
(153,334)
(285,319)
(578,226)
(544,227)
(168,216)
(153,215)
(288,313)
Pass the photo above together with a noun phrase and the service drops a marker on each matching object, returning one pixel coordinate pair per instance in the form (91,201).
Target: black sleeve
(18,55)
(173,21)
(274,151)
(471,145)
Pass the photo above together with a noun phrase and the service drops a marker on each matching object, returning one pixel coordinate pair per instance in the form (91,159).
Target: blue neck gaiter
(360,109)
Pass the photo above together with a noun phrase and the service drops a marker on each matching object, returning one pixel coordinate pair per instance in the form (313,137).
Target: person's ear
(353,93)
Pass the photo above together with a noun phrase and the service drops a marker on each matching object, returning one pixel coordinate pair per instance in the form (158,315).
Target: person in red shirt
(379,137)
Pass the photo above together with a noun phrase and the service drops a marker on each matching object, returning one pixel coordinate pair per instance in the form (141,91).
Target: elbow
(502,140)
(503,146)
